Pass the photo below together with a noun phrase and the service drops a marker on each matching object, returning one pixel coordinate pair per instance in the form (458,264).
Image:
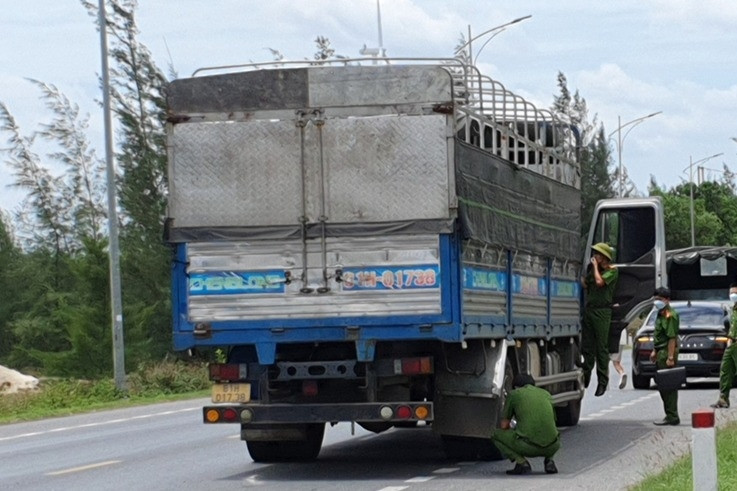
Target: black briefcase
(670,378)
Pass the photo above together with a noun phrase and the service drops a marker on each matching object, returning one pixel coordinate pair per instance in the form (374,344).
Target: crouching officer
(535,434)
(665,352)
(728,369)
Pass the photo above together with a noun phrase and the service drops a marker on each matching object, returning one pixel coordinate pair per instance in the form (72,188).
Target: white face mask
(659,304)
(733,297)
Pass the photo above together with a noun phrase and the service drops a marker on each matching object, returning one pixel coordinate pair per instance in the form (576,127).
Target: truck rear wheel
(471,448)
(569,414)
(468,448)
(289,450)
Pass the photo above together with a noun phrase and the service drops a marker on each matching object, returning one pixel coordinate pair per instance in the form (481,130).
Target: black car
(702,339)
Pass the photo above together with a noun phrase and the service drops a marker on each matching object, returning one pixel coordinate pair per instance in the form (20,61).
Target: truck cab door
(635,228)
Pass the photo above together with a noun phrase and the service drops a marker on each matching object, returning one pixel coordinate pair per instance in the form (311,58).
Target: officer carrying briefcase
(670,378)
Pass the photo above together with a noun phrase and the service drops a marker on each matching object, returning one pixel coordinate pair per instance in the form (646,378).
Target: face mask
(659,304)
(733,297)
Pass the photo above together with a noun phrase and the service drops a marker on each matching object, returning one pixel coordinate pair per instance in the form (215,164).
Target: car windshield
(695,315)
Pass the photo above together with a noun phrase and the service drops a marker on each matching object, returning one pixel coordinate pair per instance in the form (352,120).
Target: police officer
(728,369)
(599,283)
(535,433)
(665,351)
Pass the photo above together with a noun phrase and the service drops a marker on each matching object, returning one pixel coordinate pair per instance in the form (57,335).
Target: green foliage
(60,320)
(594,152)
(168,378)
(714,209)
(150,382)
(680,475)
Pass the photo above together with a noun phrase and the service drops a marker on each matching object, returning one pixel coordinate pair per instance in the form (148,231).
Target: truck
(382,244)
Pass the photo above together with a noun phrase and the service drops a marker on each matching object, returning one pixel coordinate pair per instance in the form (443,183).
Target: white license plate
(232,393)
(688,356)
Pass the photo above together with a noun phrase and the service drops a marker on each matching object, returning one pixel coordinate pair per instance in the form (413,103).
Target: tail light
(413,366)
(419,411)
(309,388)
(228,372)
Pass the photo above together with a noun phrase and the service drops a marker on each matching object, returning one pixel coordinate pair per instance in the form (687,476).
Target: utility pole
(112,219)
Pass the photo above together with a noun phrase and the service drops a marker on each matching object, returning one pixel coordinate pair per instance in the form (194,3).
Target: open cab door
(635,228)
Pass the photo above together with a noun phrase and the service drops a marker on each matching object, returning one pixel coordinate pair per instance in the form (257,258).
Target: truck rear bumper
(390,412)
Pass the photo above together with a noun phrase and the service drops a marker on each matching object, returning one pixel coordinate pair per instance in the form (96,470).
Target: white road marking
(394,488)
(83,468)
(603,412)
(446,470)
(101,423)
(420,479)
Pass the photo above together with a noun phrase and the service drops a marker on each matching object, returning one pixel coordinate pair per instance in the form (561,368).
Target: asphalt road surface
(166,446)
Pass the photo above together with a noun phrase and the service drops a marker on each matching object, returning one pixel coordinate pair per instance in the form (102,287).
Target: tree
(715,213)
(139,104)
(594,152)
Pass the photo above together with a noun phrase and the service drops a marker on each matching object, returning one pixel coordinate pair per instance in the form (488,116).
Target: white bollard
(704,450)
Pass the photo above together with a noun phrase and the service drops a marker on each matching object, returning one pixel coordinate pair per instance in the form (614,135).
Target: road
(165,446)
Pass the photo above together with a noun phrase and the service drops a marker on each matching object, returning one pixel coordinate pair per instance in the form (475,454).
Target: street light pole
(498,29)
(620,140)
(116,301)
(690,178)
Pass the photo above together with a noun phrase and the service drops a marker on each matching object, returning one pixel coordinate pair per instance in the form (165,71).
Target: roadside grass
(149,384)
(679,476)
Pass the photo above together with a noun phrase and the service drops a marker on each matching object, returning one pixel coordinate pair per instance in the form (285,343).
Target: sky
(627,58)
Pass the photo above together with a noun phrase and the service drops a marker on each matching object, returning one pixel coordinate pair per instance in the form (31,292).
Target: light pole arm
(620,141)
(497,28)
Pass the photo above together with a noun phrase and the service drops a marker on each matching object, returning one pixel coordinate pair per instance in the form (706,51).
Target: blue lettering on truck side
(235,283)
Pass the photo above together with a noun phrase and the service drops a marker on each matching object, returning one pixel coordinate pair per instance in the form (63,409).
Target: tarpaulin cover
(504,204)
(689,279)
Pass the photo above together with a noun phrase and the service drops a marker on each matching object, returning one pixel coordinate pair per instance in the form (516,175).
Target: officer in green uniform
(535,433)
(728,369)
(599,283)
(665,352)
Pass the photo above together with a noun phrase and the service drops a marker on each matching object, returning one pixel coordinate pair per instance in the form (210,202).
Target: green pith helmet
(604,249)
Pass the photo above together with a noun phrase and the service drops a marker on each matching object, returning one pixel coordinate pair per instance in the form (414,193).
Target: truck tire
(472,448)
(468,448)
(289,451)
(569,414)
(640,381)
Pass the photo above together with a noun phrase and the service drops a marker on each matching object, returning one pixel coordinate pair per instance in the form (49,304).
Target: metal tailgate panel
(235,174)
(388,168)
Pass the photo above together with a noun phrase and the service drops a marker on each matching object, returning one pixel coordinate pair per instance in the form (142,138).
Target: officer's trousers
(515,448)
(595,344)
(669,397)
(728,370)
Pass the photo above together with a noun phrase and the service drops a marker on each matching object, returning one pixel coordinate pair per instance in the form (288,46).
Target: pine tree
(594,153)
(139,105)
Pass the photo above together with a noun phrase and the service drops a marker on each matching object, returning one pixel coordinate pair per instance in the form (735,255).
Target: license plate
(232,393)
(688,356)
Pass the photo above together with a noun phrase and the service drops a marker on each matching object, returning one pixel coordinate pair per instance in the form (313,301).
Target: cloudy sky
(627,58)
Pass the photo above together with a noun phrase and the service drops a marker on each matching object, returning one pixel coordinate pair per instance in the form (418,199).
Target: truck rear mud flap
(387,412)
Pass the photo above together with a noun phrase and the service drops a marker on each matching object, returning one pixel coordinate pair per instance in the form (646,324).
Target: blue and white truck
(384,244)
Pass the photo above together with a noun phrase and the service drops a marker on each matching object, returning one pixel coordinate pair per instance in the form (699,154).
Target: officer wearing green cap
(599,284)
(665,351)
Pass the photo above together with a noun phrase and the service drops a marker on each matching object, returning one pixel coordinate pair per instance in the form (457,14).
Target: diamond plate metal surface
(388,168)
(228,174)
(249,173)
